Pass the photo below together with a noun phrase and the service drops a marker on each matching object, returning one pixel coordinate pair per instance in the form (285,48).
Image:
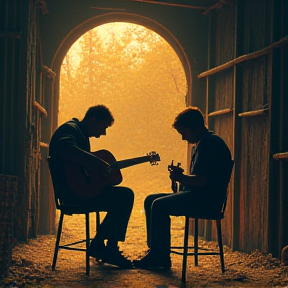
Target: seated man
(205,187)
(70,142)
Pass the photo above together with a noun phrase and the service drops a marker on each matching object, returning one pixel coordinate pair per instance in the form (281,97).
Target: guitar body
(115,178)
(90,183)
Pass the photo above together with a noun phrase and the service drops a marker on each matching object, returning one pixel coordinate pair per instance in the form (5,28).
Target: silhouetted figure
(203,187)
(72,163)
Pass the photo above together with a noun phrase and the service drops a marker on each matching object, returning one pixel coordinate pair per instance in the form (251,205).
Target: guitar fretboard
(130,162)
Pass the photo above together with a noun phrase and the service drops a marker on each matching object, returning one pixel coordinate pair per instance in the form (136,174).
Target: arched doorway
(120,17)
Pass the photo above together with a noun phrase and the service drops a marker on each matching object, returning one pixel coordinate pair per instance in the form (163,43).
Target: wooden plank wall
(245,104)
(20,108)
(278,212)
(13,101)
(254,161)
(220,97)
(47,201)
(219,100)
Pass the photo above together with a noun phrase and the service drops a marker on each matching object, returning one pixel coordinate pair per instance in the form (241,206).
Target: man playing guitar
(205,187)
(75,172)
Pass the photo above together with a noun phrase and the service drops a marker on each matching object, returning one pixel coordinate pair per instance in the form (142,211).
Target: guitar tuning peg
(179,164)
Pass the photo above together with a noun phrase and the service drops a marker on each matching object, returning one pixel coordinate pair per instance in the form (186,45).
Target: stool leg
(87,243)
(97,220)
(220,244)
(57,240)
(196,242)
(185,249)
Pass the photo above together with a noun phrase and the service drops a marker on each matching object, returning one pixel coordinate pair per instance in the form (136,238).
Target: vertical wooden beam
(21,153)
(210,80)
(284,132)
(283,121)
(47,202)
(236,150)
(3,100)
(275,191)
(207,223)
(208,67)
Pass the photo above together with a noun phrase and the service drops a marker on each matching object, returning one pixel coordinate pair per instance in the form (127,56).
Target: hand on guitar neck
(175,172)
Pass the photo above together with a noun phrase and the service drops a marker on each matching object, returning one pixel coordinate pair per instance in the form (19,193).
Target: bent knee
(148,201)
(159,206)
(128,193)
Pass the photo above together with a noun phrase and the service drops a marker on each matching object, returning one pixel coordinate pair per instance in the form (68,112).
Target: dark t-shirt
(212,157)
(68,136)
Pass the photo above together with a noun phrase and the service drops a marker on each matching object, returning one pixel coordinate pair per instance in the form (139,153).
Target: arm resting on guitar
(69,151)
(189,180)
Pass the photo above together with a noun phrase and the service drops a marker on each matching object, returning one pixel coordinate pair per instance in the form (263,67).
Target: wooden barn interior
(235,57)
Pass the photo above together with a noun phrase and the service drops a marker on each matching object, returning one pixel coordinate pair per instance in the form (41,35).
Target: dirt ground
(31,266)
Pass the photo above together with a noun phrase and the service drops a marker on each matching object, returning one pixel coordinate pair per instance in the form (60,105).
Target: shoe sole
(96,257)
(117,266)
(104,261)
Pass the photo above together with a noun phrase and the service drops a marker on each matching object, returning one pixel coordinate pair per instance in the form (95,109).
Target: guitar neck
(174,186)
(131,162)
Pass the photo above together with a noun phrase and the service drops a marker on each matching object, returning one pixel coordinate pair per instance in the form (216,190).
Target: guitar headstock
(153,157)
(172,167)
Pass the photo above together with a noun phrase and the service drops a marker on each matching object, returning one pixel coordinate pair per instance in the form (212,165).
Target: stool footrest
(209,252)
(72,248)
(75,243)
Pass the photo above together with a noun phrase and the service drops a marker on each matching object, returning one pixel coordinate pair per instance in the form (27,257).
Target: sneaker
(97,250)
(152,261)
(115,257)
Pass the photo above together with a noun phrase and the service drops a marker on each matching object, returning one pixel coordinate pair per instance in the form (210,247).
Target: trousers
(118,202)
(158,209)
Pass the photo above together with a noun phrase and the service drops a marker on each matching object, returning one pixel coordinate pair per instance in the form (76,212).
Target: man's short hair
(100,112)
(191,117)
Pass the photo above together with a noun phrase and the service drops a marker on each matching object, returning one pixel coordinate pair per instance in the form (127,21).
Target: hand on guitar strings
(176,173)
(105,167)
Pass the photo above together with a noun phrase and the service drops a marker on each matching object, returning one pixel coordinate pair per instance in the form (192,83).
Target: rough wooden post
(8,188)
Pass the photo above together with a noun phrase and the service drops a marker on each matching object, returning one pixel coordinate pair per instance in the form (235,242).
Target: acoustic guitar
(89,183)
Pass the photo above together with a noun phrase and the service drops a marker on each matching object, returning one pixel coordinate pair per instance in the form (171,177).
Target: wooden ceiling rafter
(167,4)
(218,5)
(109,9)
